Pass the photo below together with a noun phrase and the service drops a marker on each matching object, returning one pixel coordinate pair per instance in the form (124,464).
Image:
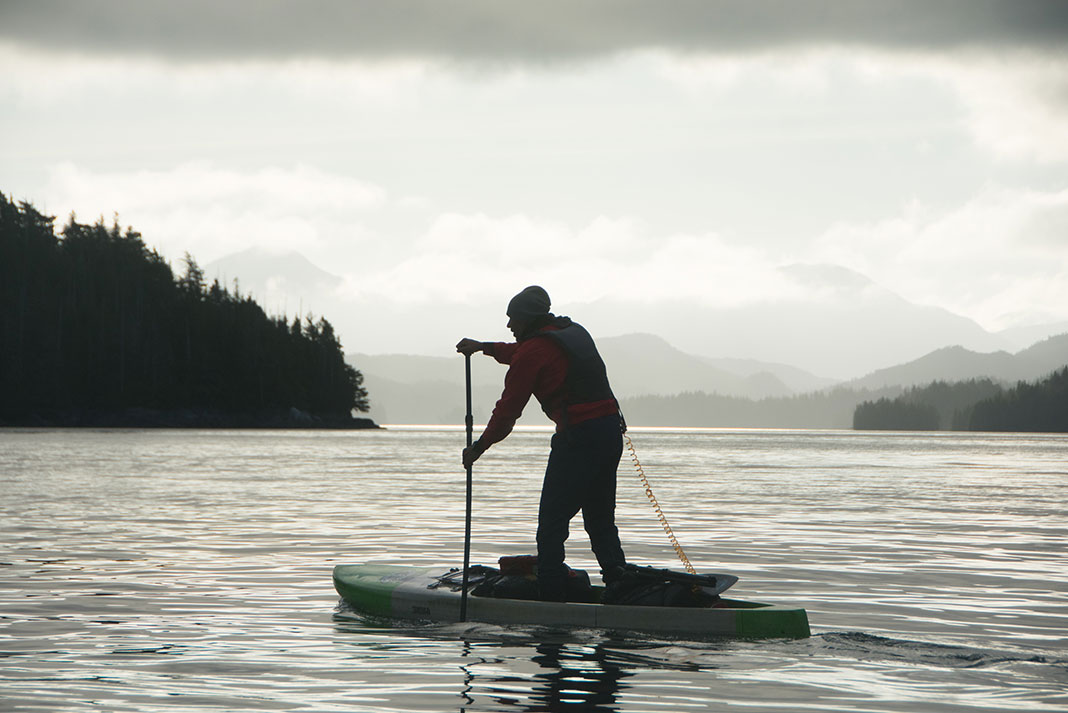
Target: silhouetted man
(555,360)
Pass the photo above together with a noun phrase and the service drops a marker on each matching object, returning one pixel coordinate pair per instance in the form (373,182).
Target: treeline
(940,406)
(822,409)
(93,321)
(1042,406)
(975,405)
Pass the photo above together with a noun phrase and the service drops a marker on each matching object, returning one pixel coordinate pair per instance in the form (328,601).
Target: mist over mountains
(419,389)
(840,325)
(659,385)
(959,364)
(647,364)
(279,281)
(843,333)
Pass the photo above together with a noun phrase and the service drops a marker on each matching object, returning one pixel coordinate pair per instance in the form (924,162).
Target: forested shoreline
(97,330)
(972,405)
(975,405)
(819,409)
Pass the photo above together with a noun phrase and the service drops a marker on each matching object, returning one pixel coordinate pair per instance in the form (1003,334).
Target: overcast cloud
(545,31)
(449,153)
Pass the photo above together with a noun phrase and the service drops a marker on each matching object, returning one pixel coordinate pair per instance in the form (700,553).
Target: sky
(439,156)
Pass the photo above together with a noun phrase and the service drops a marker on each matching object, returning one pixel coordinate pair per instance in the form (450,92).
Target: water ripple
(181,570)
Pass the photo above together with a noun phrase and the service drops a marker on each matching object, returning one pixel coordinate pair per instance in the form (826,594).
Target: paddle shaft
(470,421)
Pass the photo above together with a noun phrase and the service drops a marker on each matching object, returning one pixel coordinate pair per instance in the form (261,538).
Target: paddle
(467,525)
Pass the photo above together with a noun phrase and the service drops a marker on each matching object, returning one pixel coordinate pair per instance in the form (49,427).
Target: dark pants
(581,475)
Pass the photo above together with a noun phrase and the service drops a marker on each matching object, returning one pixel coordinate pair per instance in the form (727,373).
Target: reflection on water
(181,570)
(566,677)
(583,678)
(520,668)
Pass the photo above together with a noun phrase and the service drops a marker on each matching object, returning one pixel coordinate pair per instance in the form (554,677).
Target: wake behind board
(423,593)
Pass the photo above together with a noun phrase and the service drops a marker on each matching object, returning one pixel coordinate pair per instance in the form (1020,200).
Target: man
(555,360)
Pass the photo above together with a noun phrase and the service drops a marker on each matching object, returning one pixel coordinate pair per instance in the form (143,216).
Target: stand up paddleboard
(434,594)
(450,595)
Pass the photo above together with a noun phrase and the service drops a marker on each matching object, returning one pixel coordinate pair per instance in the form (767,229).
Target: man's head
(529,305)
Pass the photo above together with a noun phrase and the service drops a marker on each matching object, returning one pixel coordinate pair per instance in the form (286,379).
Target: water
(190,570)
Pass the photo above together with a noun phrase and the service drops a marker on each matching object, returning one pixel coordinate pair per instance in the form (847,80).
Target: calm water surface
(190,570)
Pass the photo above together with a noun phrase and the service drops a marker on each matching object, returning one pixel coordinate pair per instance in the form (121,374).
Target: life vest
(587,378)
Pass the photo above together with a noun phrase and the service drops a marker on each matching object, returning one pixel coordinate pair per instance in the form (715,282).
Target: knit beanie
(530,303)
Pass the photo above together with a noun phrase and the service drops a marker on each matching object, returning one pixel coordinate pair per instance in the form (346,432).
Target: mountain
(797,380)
(643,364)
(282,282)
(840,324)
(1044,357)
(1024,336)
(959,364)
(834,324)
(661,385)
(947,364)
(640,364)
(411,389)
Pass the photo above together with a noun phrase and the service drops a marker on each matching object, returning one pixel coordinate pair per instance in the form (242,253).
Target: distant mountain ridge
(959,364)
(260,270)
(659,382)
(412,389)
(641,364)
(837,322)
(1026,336)
(407,388)
(840,323)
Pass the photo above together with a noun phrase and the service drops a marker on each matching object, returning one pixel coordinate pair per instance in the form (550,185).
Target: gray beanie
(528,304)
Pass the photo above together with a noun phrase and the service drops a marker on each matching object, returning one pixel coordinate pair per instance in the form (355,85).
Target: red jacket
(538,367)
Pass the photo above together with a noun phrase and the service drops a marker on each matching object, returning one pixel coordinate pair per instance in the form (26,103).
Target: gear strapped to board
(656,507)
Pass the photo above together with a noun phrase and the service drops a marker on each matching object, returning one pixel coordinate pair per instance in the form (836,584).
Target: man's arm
(518,388)
(501,351)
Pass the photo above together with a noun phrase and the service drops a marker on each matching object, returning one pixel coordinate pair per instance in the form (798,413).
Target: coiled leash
(656,507)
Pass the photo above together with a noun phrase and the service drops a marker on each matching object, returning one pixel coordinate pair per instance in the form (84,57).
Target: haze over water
(190,570)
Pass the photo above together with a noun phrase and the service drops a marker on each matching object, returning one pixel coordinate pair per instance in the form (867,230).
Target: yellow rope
(656,507)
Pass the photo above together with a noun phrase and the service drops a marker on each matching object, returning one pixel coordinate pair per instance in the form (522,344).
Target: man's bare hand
(469,346)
